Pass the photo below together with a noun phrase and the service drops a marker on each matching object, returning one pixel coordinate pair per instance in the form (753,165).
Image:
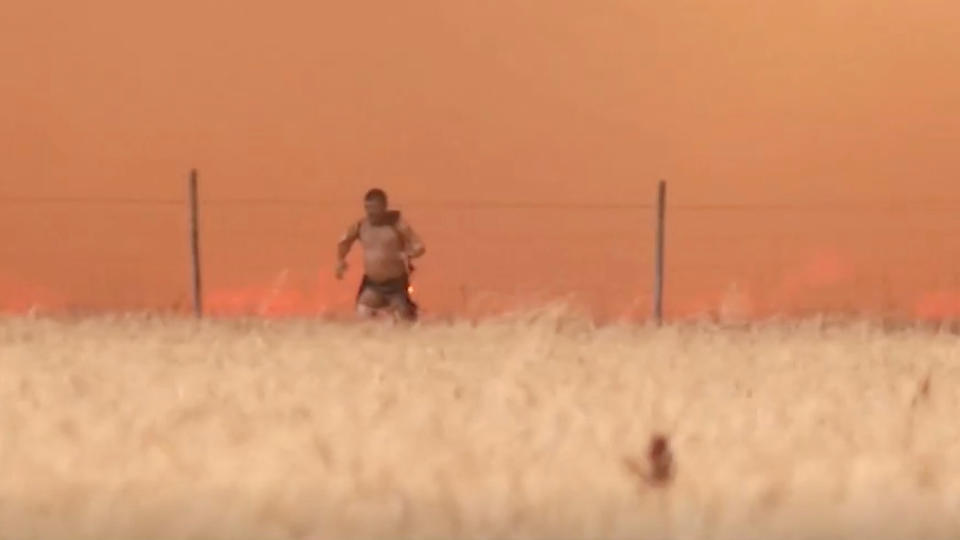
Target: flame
(823,269)
(276,299)
(938,305)
(17,296)
(820,273)
(263,301)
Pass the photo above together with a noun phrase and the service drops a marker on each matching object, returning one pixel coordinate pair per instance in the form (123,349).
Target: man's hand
(341,268)
(343,248)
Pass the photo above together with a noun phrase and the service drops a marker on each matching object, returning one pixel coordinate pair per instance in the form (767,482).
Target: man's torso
(383,249)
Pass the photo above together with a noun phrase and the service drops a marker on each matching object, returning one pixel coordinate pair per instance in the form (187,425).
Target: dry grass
(522,428)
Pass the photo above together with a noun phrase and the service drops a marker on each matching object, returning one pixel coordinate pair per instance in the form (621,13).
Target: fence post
(196,282)
(658,257)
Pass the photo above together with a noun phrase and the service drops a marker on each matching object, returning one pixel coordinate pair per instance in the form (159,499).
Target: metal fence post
(196,282)
(658,270)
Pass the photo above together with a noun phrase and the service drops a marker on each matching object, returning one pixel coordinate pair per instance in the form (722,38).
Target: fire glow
(280,298)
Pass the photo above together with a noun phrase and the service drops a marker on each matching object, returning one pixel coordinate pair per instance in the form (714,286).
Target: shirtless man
(389,244)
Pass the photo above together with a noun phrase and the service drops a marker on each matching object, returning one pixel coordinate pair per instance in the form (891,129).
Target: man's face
(375,208)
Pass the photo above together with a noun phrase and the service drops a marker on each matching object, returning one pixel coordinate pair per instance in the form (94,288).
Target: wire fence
(274,256)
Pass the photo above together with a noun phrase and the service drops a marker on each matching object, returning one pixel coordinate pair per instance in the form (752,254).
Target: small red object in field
(661,460)
(923,391)
(657,469)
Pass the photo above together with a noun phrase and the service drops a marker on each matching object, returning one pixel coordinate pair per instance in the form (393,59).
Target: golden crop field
(525,427)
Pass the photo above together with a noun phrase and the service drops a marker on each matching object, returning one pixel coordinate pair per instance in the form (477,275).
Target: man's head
(375,204)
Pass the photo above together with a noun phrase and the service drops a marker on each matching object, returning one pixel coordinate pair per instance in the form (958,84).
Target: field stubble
(526,427)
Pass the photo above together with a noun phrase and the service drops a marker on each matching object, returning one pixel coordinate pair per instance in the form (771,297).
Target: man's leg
(401,307)
(368,302)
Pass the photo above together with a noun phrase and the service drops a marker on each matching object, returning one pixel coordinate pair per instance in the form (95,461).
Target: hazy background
(810,150)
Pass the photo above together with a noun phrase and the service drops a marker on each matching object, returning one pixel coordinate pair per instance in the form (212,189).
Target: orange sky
(847,102)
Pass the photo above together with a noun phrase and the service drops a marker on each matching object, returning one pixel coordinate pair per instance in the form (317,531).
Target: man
(389,246)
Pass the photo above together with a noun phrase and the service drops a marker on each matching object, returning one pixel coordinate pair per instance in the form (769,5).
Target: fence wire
(264,255)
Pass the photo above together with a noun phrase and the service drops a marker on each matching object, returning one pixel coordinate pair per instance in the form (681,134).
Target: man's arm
(413,245)
(343,247)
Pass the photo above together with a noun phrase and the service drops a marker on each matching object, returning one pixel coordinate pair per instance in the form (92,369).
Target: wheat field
(533,426)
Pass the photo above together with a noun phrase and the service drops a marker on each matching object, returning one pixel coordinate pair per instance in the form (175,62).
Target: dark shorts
(390,289)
